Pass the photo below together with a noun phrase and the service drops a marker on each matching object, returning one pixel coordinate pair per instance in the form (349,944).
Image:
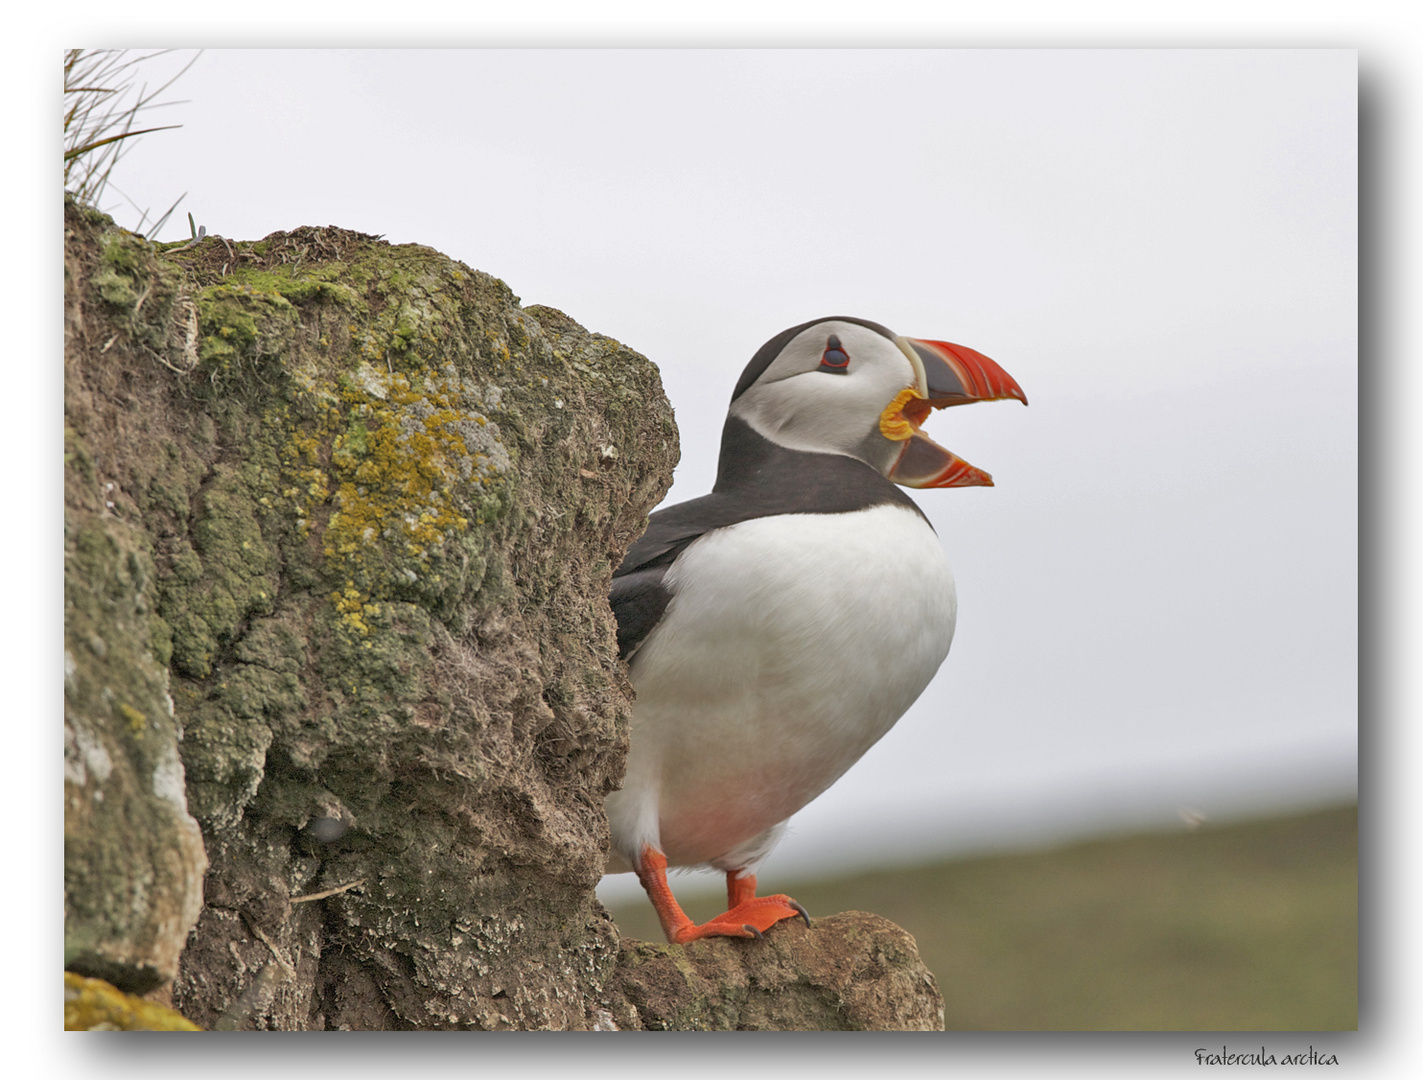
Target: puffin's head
(849,386)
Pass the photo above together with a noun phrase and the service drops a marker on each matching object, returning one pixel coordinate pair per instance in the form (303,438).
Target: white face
(798,405)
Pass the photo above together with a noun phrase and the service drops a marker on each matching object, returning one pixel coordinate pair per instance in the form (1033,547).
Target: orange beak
(945,374)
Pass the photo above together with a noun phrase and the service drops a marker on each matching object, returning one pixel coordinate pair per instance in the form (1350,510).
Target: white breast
(790,646)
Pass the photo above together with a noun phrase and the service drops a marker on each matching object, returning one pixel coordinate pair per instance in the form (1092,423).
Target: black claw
(748,926)
(803,913)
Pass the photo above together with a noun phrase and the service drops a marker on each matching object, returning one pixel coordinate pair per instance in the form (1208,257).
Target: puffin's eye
(834,359)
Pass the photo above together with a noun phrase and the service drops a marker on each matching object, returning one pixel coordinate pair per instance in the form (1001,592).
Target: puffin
(776,628)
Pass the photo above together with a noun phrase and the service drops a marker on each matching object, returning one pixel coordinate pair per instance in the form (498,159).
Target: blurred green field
(1241,927)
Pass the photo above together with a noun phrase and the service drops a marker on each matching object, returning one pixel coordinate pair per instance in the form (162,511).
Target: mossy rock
(374,509)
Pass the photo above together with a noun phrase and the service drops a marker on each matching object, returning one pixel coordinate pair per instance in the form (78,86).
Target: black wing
(639,596)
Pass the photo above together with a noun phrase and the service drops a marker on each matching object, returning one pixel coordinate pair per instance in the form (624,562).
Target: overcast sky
(1158,599)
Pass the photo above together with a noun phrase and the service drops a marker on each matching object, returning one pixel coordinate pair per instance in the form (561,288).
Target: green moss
(125,253)
(224,755)
(227,576)
(128,277)
(356,442)
(320,284)
(238,322)
(160,640)
(116,288)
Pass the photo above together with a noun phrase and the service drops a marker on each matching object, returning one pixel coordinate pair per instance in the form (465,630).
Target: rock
(849,972)
(341,518)
(134,858)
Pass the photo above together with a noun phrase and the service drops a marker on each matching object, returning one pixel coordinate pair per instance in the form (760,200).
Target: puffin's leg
(739,889)
(652,872)
(748,915)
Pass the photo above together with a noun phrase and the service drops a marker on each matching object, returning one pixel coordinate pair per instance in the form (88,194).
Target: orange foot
(749,915)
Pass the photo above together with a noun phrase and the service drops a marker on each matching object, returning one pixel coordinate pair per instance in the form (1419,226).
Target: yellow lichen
(94,1005)
(137,722)
(387,457)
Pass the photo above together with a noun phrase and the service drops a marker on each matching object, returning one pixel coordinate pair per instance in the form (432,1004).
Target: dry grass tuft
(103,100)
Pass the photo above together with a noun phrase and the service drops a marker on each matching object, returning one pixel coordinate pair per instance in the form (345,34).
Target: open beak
(945,374)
